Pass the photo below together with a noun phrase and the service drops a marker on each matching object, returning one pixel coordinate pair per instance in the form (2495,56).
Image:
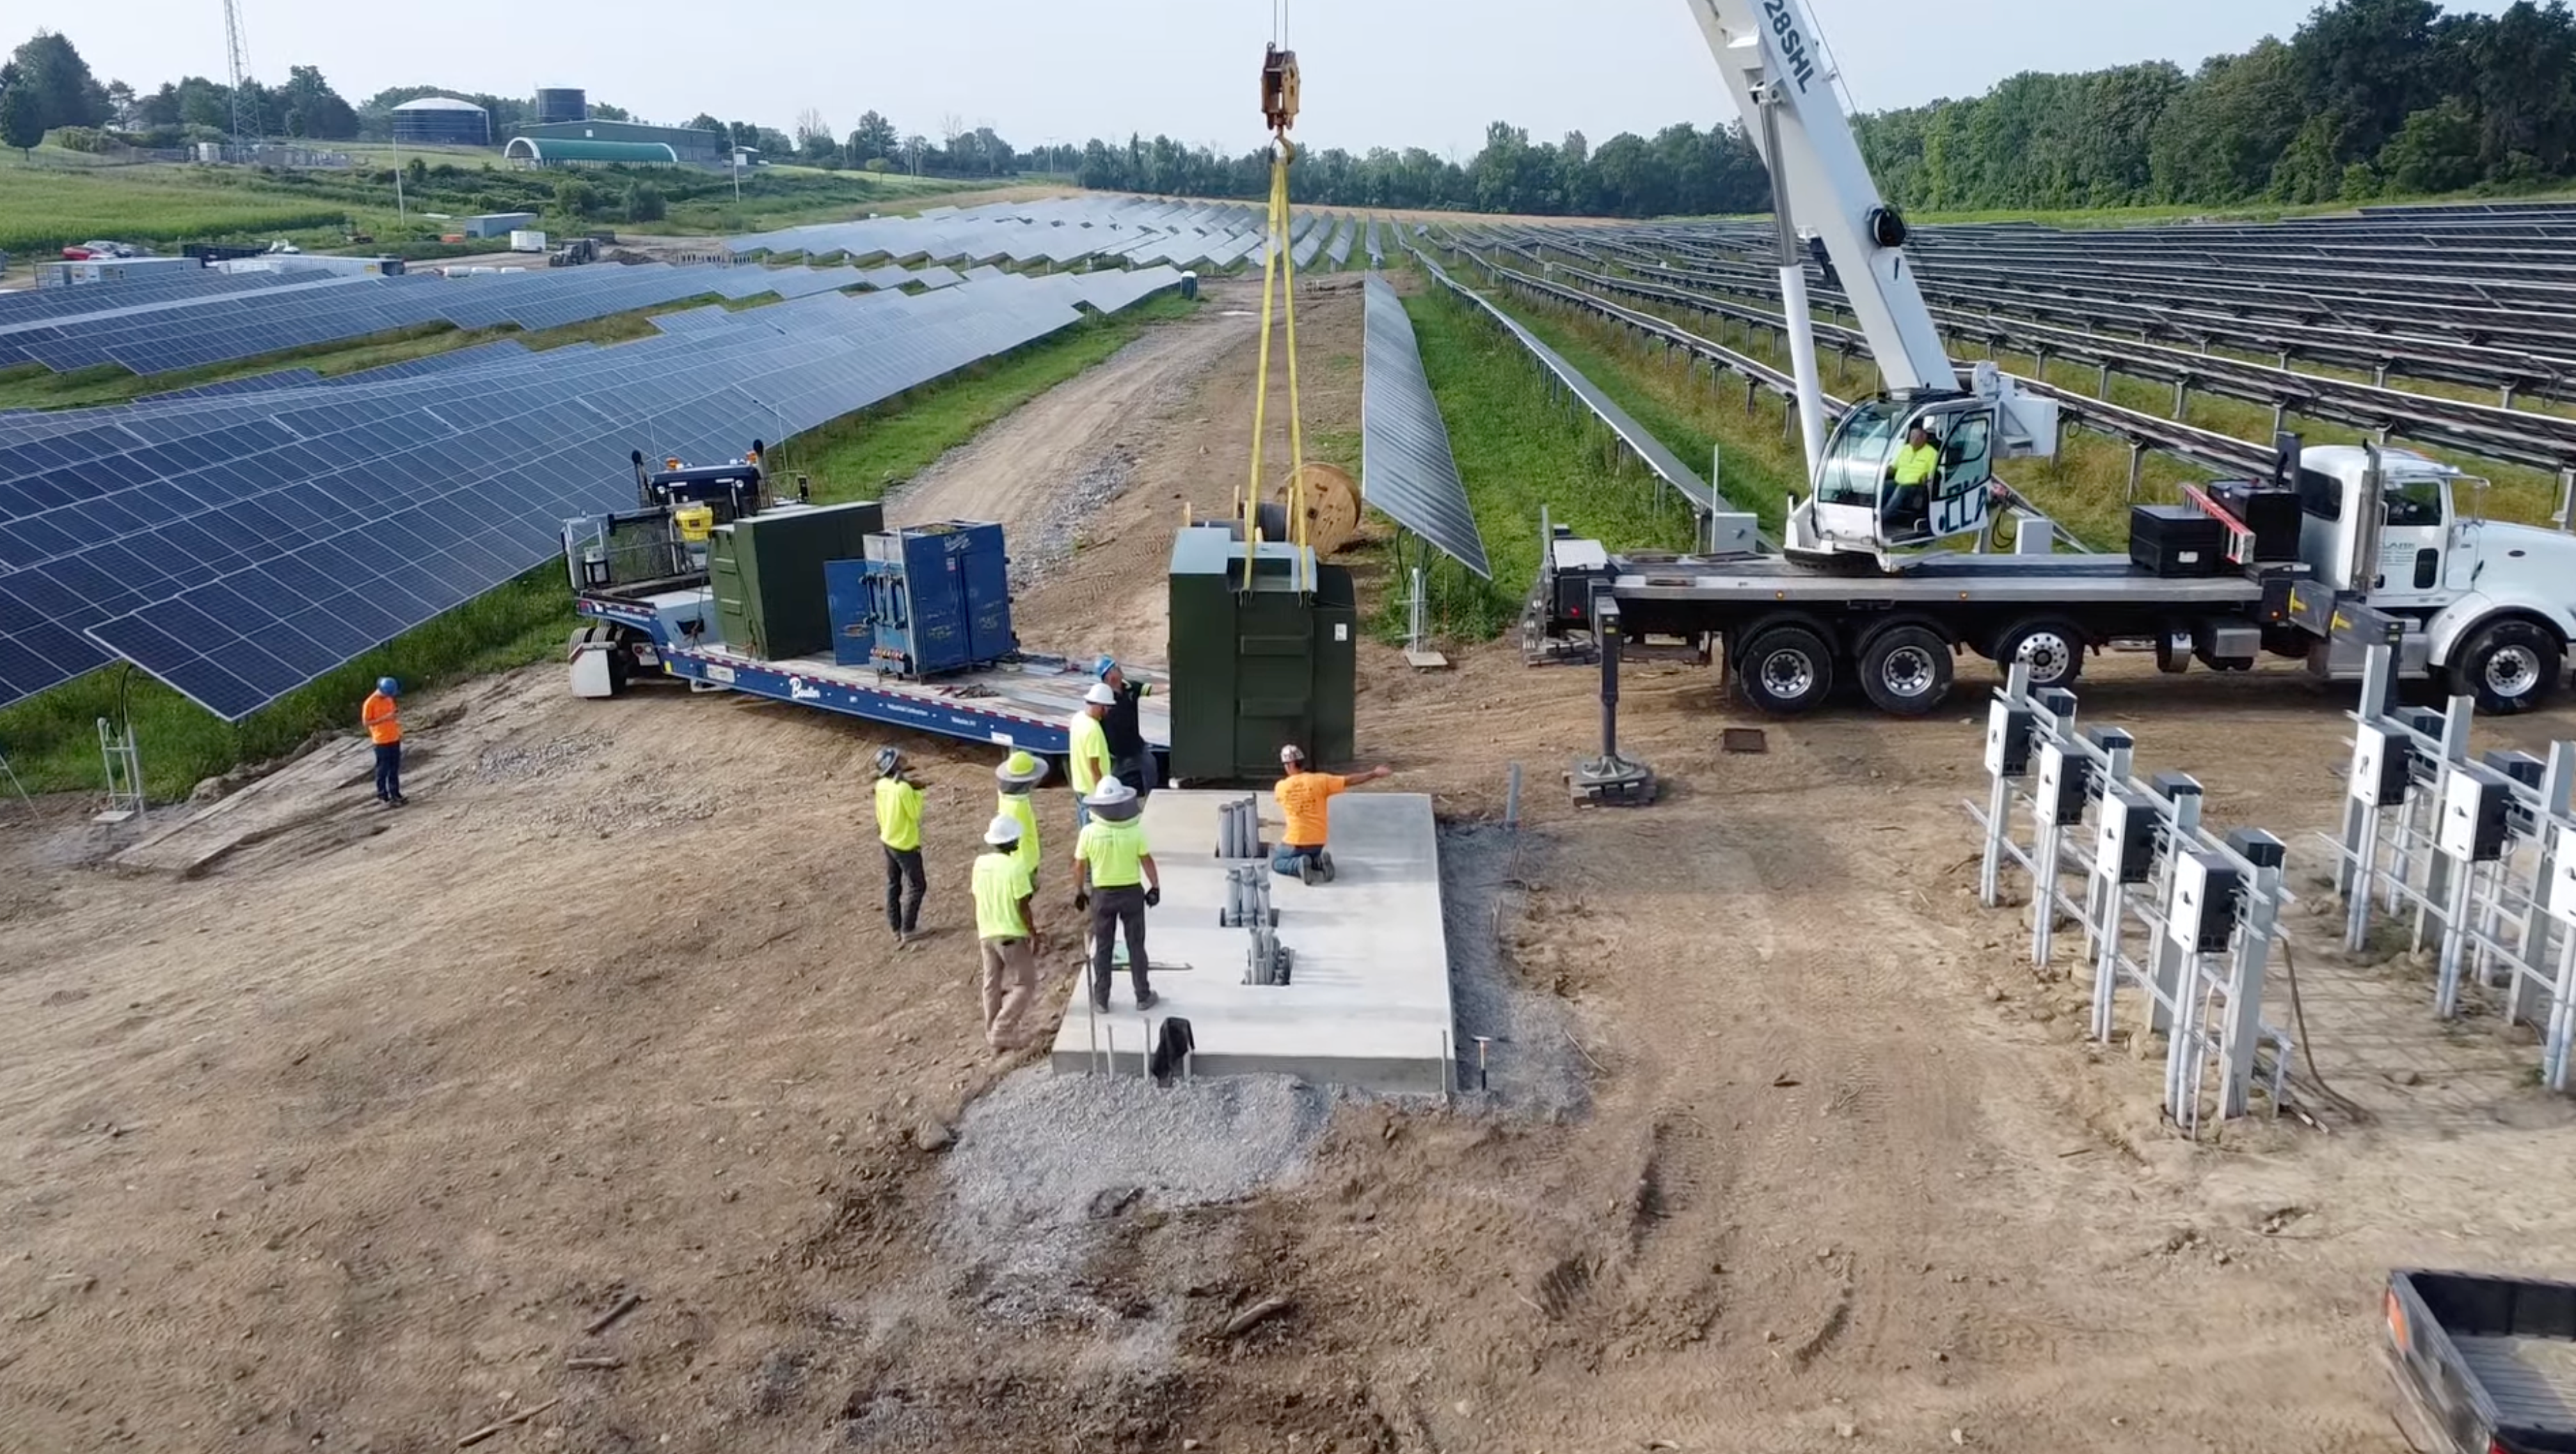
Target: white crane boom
(1875,486)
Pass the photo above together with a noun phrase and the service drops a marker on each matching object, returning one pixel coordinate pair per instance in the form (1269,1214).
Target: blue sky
(1377,72)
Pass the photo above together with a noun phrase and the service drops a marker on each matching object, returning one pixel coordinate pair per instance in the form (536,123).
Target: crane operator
(1918,461)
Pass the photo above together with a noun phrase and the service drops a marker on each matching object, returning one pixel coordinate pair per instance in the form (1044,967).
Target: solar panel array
(238,545)
(1063,231)
(1406,469)
(197,326)
(2482,296)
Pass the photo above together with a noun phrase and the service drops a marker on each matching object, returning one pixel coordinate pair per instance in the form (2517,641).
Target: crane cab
(1904,471)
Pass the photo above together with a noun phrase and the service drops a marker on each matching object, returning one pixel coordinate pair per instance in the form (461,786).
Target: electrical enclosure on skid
(766,571)
(1267,666)
(925,600)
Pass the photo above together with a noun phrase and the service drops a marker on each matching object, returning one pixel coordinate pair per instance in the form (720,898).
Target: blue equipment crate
(927,600)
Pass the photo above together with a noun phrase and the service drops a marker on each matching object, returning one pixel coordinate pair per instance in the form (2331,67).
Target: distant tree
(22,125)
(744,134)
(574,197)
(59,84)
(602,111)
(120,103)
(416,174)
(324,114)
(2435,150)
(814,139)
(875,137)
(703,122)
(643,202)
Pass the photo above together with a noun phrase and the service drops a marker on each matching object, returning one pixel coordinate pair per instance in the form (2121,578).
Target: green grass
(43,208)
(52,740)
(860,456)
(1516,452)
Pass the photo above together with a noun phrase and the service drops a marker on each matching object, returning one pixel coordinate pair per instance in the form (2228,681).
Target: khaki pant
(1010,983)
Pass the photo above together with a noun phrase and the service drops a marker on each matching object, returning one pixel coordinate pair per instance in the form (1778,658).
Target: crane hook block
(1279,87)
(1887,227)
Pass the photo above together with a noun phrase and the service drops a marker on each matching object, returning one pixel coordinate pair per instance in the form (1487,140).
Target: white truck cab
(2489,606)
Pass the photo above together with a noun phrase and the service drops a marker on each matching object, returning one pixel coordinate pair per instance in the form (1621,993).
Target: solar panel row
(197,329)
(239,545)
(1406,469)
(1137,231)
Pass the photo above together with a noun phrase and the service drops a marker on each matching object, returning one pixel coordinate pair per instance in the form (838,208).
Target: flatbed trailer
(1789,628)
(2352,535)
(2487,1364)
(1025,701)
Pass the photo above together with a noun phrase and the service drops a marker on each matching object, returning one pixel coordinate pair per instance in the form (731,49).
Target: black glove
(1154,896)
(1081,900)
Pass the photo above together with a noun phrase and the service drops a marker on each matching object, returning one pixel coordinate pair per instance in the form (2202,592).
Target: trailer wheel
(1786,670)
(2509,666)
(1906,670)
(2053,647)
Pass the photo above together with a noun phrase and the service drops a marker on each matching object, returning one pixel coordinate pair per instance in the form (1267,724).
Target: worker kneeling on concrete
(1017,779)
(1006,931)
(1305,800)
(1114,878)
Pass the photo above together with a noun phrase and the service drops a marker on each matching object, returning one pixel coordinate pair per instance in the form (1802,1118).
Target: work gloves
(1154,896)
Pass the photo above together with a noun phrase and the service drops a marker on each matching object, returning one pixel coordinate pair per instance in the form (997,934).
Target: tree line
(2367,98)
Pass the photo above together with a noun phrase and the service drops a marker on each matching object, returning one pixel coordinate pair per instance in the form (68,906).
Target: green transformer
(1255,669)
(766,571)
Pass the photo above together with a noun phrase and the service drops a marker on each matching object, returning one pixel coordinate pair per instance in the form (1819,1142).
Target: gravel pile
(1047,1164)
(1044,547)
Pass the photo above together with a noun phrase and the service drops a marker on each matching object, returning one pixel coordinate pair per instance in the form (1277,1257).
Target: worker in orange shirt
(1304,799)
(383,721)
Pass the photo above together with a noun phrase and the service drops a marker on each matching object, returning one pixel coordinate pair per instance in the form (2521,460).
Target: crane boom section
(1768,52)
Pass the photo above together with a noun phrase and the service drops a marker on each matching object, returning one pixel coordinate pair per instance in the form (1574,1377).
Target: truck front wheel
(2510,666)
(1786,670)
(1906,670)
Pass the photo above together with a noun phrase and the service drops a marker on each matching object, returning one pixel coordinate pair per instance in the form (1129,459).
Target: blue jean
(1291,862)
(388,770)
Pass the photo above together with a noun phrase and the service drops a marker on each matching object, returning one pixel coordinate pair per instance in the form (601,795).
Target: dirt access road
(348,1140)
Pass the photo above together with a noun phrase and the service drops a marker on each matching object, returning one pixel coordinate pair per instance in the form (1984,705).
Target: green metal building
(687,143)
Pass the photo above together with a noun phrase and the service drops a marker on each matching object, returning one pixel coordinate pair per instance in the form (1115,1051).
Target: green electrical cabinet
(766,572)
(1255,669)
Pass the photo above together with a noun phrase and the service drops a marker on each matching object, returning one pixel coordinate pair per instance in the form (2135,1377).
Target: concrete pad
(1367,1002)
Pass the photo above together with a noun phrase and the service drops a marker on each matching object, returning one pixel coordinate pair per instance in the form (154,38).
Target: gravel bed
(1047,1164)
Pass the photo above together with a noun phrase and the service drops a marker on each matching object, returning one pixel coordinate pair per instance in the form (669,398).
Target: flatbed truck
(642,585)
(2487,607)
(2486,1365)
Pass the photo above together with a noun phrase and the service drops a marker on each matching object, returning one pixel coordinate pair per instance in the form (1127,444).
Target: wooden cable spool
(1332,505)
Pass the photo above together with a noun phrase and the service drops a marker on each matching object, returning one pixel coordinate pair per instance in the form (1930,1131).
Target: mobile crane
(2281,566)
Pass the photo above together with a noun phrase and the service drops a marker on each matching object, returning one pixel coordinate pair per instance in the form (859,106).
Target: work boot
(1324,866)
(1147,999)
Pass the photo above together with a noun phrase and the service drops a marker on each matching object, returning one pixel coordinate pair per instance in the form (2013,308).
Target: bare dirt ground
(349,1139)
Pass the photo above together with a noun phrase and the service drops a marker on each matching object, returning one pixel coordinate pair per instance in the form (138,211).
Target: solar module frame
(1406,469)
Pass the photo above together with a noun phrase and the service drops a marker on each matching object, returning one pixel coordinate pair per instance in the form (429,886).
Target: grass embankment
(1517,451)
(52,739)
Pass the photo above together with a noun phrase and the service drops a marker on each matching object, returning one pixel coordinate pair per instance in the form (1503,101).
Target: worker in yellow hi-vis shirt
(1115,879)
(899,829)
(1918,462)
(1006,934)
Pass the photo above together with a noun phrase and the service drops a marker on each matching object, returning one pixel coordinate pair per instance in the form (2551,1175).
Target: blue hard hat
(1105,665)
(389,686)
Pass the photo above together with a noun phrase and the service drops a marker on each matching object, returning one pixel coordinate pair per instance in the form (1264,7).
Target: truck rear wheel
(2510,666)
(2053,648)
(1786,670)
(1906,670)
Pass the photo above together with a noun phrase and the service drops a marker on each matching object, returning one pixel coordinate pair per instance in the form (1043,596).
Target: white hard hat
(1003,831)
(1290,753)
(1101,695)
(1109,794)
